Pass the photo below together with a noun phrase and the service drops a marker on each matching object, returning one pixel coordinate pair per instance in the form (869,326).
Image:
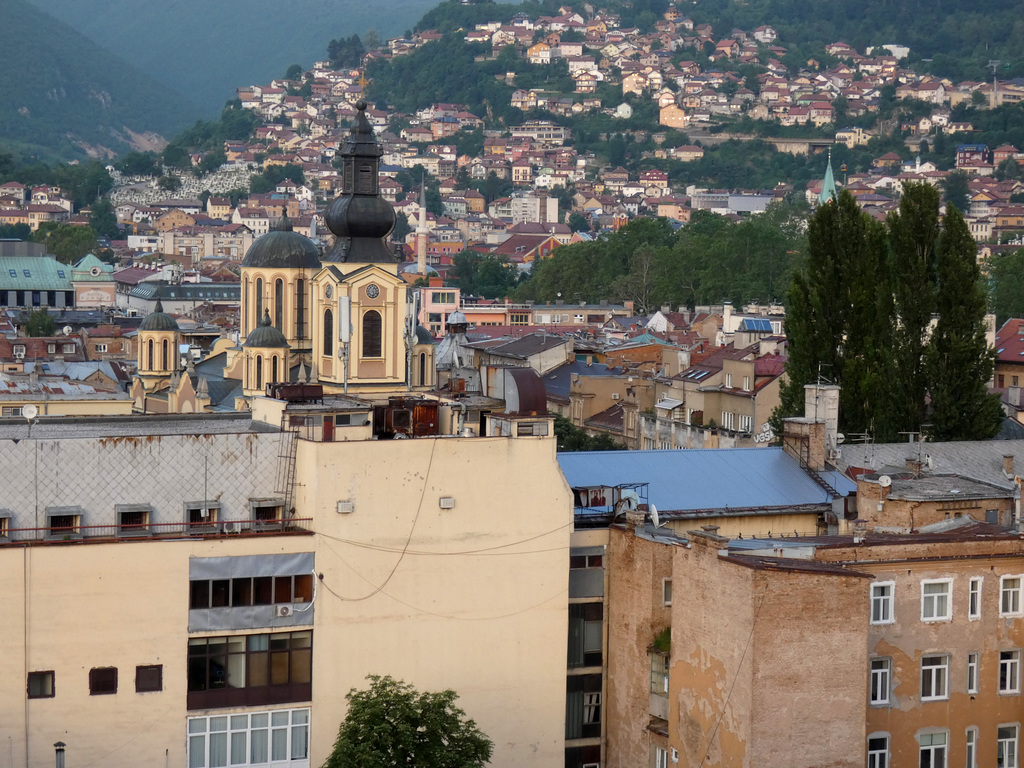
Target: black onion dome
(359,217)
(423,336)
(265,335)
(158,320)
(281,248)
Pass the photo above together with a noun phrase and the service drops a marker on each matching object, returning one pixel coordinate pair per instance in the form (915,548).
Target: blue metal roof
(691,480)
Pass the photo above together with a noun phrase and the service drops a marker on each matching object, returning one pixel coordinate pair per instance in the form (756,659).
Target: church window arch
(259,372)
(372,334)
(149,355)
(279,304)
(423,369)
(273,370)
(165,358)
(259,302)
(300,309)
(328,332)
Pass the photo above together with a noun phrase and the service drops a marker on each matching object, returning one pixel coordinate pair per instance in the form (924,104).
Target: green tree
(958,360)
(957,190)
(67,242)
(569,437)
(15,232)
(138,164)
(294,72)
(103,220)
(39,323)
(1006,272)
(833,326)
(401,229)
(169,183)
(392,724)
(578,222)
(913,237)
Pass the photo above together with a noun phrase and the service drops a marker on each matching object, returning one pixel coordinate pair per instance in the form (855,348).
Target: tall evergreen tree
(833,324)
(913,237)
(958,360)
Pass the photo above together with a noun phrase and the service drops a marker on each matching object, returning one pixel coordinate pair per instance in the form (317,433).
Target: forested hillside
(65,97)
(207,49)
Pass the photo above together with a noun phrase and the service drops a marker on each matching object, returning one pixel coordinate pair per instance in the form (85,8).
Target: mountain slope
(65,97)
(207,49)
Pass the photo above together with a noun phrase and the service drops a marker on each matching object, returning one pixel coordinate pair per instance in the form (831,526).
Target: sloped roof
(698,480)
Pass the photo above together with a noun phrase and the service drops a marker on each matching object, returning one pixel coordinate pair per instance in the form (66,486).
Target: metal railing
(142,531)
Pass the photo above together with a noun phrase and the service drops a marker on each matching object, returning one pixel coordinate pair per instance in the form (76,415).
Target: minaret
(828,184)
(421,232)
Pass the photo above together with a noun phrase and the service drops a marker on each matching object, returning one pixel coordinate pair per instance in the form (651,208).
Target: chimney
(914,465)
(1008,465)
(1013,395)
(860,530)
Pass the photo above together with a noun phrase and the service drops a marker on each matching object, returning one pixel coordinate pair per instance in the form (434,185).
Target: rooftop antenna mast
(993,64)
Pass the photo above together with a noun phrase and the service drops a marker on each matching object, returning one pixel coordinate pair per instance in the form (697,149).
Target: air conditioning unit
(231,527)
(284,611)
(675,755)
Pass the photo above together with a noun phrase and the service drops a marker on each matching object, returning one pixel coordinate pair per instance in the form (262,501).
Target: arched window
(300,309)
(372,334)
(165,358)
(246,303)
(259,302)
(423,369)
(259,372)
(273,370)
(328,332)
(149,355)
(279,304)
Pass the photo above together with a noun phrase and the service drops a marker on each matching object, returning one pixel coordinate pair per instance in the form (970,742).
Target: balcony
(63,533)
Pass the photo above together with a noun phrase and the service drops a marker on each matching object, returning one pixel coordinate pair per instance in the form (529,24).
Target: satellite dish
(66,330)
(654,517)
(885,481)
(29,411)
(928,462)
(840,438)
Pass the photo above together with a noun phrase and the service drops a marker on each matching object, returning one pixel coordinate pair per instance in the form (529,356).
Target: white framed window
(659,673)
(728,419)
(972,672)
(1009,671)
(878,751)
(1006,746)
(660,758)
(882,602)
(971,747)
(974,598)
(933,749)
(1009,596)
(934,677)
(935,600)
(881,680)
(280,737)
(101,347)
(728,381)
(591,708)
(666,591)
(746,423)
(746,383)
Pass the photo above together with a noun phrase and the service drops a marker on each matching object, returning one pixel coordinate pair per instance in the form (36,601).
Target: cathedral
(345,320)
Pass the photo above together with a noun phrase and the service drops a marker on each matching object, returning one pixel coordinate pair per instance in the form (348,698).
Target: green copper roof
(828,185)
(33,273)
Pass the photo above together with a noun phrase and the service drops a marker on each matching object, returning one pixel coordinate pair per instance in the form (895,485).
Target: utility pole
(993,64)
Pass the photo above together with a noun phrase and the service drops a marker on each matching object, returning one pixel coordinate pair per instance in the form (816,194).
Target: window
(266,511)
(881,677)
(64,522)
(242,592)
(660,758)
(279,304)
(40,685)
(51,348)
(972,672)
(101,347)
(728,381)
(746,383)
(659,674)
(878,752)
(328,332)
(1009,671)
(971,747)
(259,372)
(102,681)
(591,708)
(1009,596)
(372,334)
(255,738)
(10,410)
(745,423)
(259,301)
(242,670)
(69,349)
(666,591)
(934,677)
(933,750)
(974,598)
(149,678)
(882,602)
(201,515)
(935,602)
(585,561)
(1006,746)
(132,519)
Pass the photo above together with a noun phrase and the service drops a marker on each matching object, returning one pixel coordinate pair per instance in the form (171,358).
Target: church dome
(282,248)
(158,320)
(265,335)
(423,336)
